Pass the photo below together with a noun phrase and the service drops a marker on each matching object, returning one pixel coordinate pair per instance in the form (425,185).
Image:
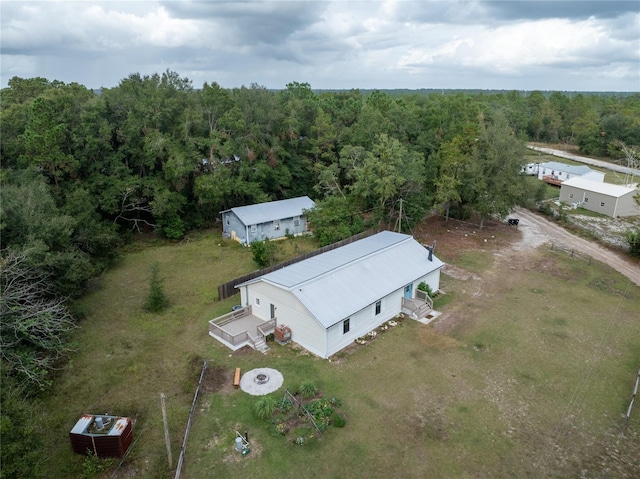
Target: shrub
(633,239)
(157,300)
(426,288)
(308,389)
(265,407)
(264,253)
(339,421)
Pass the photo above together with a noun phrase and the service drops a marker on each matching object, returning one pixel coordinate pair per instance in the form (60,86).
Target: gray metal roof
(571,169)
(273,210)
(608,189)
(339,283)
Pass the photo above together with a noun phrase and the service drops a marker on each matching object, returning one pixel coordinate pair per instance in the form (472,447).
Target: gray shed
(272,220)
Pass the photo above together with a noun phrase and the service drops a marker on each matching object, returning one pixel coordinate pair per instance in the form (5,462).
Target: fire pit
(261,381)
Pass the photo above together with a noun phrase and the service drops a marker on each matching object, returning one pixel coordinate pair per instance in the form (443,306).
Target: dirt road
(537,231)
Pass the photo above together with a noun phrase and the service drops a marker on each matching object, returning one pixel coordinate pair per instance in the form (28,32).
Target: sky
(567,45)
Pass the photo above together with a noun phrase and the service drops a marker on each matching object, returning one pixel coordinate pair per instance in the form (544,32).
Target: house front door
(273,311)
(408,291)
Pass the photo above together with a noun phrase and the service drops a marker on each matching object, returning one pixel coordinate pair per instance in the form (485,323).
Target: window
(586,200)
(378,307)
(257,301)
(296,221)
(276,224)
(602,203)
(346,325)
(254,228)
(228,220)
(571,195)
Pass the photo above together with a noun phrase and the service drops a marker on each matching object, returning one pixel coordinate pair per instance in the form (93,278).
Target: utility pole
(166,430)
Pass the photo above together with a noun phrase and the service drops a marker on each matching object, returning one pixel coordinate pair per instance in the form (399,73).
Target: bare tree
(34,321)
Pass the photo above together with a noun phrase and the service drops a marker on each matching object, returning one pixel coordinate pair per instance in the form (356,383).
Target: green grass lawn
(530,381)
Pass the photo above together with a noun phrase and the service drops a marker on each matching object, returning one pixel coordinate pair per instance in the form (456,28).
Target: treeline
(83,171)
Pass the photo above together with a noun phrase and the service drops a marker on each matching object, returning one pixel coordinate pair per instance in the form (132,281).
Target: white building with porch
(330,300)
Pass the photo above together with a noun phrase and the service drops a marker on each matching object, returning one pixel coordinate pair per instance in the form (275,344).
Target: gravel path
(537,231)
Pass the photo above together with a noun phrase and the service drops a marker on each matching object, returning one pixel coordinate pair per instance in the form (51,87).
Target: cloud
(330,44)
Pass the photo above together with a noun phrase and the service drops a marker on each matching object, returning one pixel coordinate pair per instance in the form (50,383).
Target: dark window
(378,307)
(276,224)
(602,203)
(346,325)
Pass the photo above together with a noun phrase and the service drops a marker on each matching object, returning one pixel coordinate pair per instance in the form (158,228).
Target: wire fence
(183,450)
(572,252)
(633,398)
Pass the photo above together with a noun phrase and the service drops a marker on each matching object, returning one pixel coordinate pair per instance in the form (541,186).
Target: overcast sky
(568,45)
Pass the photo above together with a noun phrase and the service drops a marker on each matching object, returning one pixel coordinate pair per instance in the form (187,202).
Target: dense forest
(83,171)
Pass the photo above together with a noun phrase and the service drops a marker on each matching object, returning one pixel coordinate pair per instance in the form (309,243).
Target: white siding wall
(432,279)
(363,321)
(305,330)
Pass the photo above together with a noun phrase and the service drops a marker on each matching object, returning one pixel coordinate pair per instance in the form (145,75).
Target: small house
(273,220)
(555,173)
(329,300)
(606,198)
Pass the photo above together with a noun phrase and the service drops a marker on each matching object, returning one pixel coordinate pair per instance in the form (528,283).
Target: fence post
(166,430)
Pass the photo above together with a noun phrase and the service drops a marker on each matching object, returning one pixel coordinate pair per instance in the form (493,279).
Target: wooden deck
(241,328)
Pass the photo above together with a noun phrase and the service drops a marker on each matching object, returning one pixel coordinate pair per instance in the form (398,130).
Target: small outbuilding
(102,435)
(606,198)
(273,220)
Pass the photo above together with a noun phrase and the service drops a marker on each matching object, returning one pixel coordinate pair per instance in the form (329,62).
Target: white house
(331,299)
(273,220)
(605,198)
(555,173)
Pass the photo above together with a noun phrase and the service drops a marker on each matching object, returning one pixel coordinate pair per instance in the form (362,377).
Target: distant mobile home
(555,173)
(605,198)
(272,220)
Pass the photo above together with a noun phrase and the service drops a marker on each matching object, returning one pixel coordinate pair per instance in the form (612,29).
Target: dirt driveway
(537,231)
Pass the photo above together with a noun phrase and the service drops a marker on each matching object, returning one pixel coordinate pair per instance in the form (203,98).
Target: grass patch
(476,261)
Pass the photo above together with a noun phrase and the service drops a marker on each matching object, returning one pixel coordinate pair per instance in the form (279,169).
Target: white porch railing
(423,296)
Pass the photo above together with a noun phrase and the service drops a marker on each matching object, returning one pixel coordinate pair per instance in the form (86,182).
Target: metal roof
(339,283)
(608,189)
(571,169)
(273,210)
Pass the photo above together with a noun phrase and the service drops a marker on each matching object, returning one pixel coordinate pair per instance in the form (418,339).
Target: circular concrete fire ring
(261,381)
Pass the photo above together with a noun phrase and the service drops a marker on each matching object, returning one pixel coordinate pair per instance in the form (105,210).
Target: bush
(339,421)
(264,253)
(633,238)
(157,300)
(308,389)
(265,407)
(426,288)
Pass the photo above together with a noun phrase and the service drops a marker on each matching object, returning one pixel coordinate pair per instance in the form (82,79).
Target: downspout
(615,207)
(246,235)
